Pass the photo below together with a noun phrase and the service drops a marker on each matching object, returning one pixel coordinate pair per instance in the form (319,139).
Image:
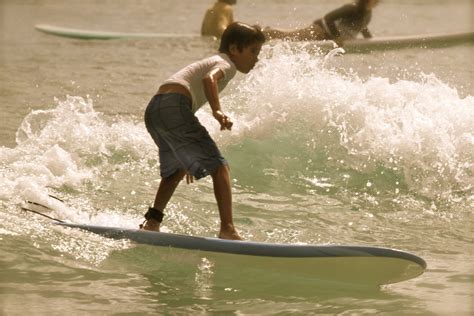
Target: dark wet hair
(240,34)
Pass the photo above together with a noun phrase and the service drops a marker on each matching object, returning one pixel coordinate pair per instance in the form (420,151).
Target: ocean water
(368,149)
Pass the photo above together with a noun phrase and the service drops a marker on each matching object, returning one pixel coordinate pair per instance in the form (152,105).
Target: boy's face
(246,59)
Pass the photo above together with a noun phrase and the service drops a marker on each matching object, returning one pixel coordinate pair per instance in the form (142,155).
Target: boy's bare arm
(212,94)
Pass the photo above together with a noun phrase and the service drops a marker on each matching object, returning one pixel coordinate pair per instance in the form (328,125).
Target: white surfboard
(101,35)
(351,46)
(359,265)
(399,42)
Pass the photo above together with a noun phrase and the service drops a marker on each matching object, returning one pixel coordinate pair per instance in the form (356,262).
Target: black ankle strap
(155,214)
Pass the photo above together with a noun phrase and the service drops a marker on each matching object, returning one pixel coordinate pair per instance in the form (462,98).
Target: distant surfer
(339,25)
(185,147)
(217,18)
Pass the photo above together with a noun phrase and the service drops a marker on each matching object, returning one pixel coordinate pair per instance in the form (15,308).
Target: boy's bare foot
(230,235)
(228,232)
(151,224)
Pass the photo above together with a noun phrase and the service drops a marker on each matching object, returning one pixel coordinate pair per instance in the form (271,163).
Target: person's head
(242,43)
(231,2)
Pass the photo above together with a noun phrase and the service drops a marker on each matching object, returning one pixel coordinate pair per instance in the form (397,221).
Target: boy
(217,18)
(185,147)
(338,25)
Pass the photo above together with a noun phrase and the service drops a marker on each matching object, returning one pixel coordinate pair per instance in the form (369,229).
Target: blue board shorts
(183,143)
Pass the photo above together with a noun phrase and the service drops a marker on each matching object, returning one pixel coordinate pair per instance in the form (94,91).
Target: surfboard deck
(104,35)
(335,263)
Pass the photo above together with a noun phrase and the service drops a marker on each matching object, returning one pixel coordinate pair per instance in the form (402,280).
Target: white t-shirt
(191,77)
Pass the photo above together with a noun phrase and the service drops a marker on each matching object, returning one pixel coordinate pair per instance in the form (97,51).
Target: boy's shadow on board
(235,276)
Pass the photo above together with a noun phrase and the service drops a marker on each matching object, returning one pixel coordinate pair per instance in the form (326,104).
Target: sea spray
(418,132)
(68,146)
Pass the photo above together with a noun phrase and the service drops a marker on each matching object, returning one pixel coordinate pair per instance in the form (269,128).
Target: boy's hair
(240,34)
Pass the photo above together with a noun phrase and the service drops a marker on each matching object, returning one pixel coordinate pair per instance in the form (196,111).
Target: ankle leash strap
(155,214)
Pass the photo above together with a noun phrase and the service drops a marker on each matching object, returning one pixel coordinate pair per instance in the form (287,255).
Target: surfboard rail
(251,248)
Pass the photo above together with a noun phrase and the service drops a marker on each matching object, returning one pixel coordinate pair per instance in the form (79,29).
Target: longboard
(351,46)
(347,264)
(104,35)
(335,263)
(399,42)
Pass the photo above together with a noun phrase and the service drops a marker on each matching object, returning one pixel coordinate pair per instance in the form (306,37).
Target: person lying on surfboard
(185,147)
(339,25)
(217,18)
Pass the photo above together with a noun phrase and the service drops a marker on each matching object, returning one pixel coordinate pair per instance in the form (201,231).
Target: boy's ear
(233,49)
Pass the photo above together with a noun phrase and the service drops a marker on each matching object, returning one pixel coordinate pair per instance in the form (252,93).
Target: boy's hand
(224,120)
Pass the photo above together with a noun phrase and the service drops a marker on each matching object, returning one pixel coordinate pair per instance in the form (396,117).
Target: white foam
(65,146)
(423,127)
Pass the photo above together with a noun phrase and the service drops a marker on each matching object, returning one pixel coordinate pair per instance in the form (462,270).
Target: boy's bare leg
(223,193)
(163,195)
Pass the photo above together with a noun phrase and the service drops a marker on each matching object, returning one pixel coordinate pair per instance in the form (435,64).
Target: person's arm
(212,94)
(330,19)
